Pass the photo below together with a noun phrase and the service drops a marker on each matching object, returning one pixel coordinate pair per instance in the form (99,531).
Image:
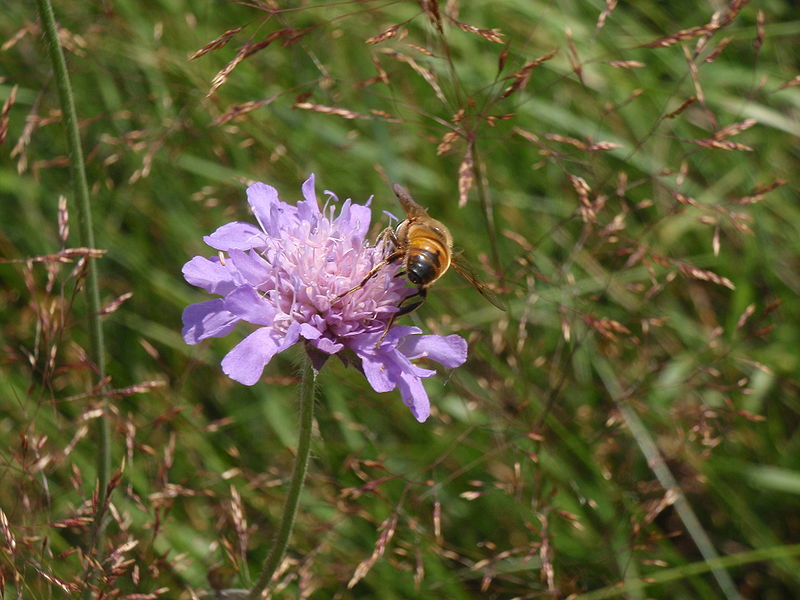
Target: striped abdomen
(428,255)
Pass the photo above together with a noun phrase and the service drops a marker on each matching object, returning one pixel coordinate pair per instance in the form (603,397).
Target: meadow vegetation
(624,176)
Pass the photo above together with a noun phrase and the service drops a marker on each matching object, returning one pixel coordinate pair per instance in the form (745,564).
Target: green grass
(530,479)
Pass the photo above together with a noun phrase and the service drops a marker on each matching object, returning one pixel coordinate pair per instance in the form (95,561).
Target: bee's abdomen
(426,261)
(423,267)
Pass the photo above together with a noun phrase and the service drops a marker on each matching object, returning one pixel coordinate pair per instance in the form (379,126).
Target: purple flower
(286,275)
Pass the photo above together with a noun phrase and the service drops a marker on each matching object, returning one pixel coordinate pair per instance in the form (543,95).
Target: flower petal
(308,209)
(236,236)
(210,275)
(327,346)
(250,306)
(309,332)
(247,360)
(415,396)
(207,319)
(389,368)
(253,269)
(450,351)
(272,214)
(377,371)
(354,220)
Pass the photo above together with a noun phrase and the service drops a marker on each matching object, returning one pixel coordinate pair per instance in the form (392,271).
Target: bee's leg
(388,234)
(388,260)
(404,310)
(409,308)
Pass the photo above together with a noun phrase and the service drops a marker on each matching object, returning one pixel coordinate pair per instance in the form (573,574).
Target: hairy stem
(275,555)
(86,233)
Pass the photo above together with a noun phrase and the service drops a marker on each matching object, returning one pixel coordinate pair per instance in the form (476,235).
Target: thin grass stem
(772,553)
(86,234)
(666,479)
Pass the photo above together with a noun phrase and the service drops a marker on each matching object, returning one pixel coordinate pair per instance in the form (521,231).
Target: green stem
(686,513)
(275,555)
(86,233)
(658,465)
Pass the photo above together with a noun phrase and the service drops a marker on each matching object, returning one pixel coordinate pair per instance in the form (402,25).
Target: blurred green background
(646,243)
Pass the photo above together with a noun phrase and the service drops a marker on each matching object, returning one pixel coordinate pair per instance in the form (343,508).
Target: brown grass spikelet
(718,50)
(687,200)
(428,75)
(702,274)
(382,75)
(695,75)
(340,112)
(29,28)
(387,530)
(608,328)
(794,81)
(63,220)
(759,193)
(239,520)
(386,116)
(492,35)
(721,144)
(384,35)
(566,329)
(420,49)
(682,35)
(466,177)
(114,305)
(606,12)
(6,111)
(523,75)
(447,142)
(222,75)
(431,8)
(546,552)
(217,43)
(58,582)
(570,141)
(626,64)
(572,55)
(745,316)
(705,31)
(587,211)
(289,35)
(5,529)
(527,135)
(734,8)
(684,105)
(437,522)
(67,255)
(237,110)
(33,121)
(734,129)
(602,146)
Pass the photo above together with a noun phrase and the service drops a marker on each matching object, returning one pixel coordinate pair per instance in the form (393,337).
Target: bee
(425,247)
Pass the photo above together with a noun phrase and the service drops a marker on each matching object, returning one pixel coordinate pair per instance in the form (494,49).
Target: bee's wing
(411,208)
(463,268)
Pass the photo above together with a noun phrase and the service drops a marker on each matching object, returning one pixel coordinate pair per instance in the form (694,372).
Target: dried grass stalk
(466,177)
(217,43)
